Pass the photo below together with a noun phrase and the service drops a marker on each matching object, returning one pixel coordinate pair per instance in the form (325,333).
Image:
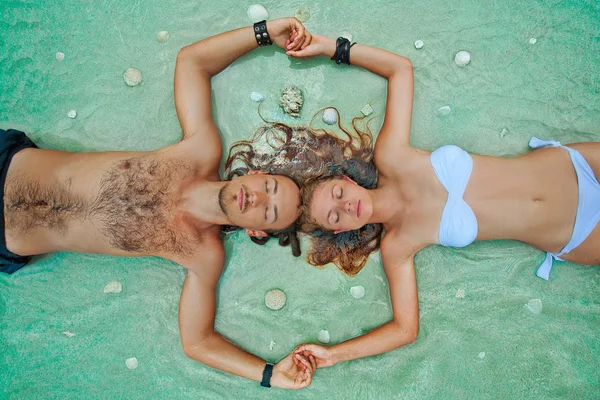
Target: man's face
(260,202)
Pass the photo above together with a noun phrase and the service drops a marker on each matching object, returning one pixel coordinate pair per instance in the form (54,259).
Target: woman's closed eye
(334,217)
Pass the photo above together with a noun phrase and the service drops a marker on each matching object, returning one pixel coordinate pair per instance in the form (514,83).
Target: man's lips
(241,199)
(358,209)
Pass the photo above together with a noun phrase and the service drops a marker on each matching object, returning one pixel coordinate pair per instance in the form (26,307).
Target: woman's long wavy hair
(309,156)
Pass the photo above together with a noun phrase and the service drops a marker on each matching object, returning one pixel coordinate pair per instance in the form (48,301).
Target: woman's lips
(241,199)
(358,209)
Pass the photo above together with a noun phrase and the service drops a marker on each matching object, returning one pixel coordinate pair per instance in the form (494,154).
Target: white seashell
(303,14)
(503,132)
(323,336)
(358,292)
(113,287)
(257,13)
(131,363)
(462,58)
(72,114)
(68,334)
(532,40)
(460,294)
(347,35)
(419,44)
(534,305)
(367,110)
(444,111)
(275,299)
(162,36)
(272,345)
(132,77)
(330,116)
(60,56)
(482,355)
(257,97)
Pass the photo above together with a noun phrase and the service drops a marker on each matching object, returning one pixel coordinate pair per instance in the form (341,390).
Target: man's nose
(256,199)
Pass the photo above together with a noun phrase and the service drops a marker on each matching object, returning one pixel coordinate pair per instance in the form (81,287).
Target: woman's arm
(401,330)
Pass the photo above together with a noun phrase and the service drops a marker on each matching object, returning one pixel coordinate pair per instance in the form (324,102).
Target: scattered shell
(330,116)
(460,294)
(503,132)
(162,36)
(534,305)
(482,355)
(419,44)
(358,292)
(367,110)
(257,13)
(291,100)
(272,345)
(444,111)
(60,56)
(257,97)
(275,299)
(347,35)
(323,336)
(379,278)
(131,363)
(303,14)
(462,58)
(532,40)
(132,77)
(113,287)
(72,114)
(68,334)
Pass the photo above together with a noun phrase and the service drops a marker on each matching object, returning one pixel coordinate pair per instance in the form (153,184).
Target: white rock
(460,294)
(482,355)
(72,114)
(132,77)
(113,287)
(60,56)
(68,334)
(419,44)
(358,292)
(323,336)
(257,97)
(272,345)
(347,35)
(534,305)
(275,299)
(462,58)
(367,110)
(131,363)
(444,111)
(532,40)
(162,36)
(257,12)
(303,14)
(330,116)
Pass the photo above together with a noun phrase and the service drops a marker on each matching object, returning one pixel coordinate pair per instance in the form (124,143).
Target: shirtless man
(168,203)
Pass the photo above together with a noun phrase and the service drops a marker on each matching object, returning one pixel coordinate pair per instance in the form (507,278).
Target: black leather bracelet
(342,50)
(267,372)
(261,34)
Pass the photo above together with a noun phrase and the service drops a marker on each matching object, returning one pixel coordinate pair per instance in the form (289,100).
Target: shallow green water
(510,91)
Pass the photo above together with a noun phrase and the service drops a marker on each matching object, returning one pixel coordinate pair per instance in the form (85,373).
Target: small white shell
(132,77)
(257,12)
(460,294)
(68,334)
(72,114)
(131,363)
(367,110)
(275,299)
(257,97)
(532,40)
(330,116)
(358,292)
(303,14)
(503,132)
(162,36)
(482,355)
(462,58)
(60,56)
(347,35)
(272,345)
(323,336)
(419,44)
(113,287)
(444,111)
(534,305)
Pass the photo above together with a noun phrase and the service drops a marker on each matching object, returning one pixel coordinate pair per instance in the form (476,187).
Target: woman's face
(341,205)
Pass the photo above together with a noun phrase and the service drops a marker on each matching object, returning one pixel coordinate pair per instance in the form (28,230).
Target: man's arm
(200,342)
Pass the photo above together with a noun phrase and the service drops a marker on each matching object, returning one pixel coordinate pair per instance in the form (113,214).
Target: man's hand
(288,33)
(321,355)
(293,372)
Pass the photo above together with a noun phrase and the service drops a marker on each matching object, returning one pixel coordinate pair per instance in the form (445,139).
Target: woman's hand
(316,45)
(288,33)
(293,372)
(323,356)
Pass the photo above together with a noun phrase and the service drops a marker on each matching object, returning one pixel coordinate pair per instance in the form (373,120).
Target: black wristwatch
(267,372)
(261,34)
